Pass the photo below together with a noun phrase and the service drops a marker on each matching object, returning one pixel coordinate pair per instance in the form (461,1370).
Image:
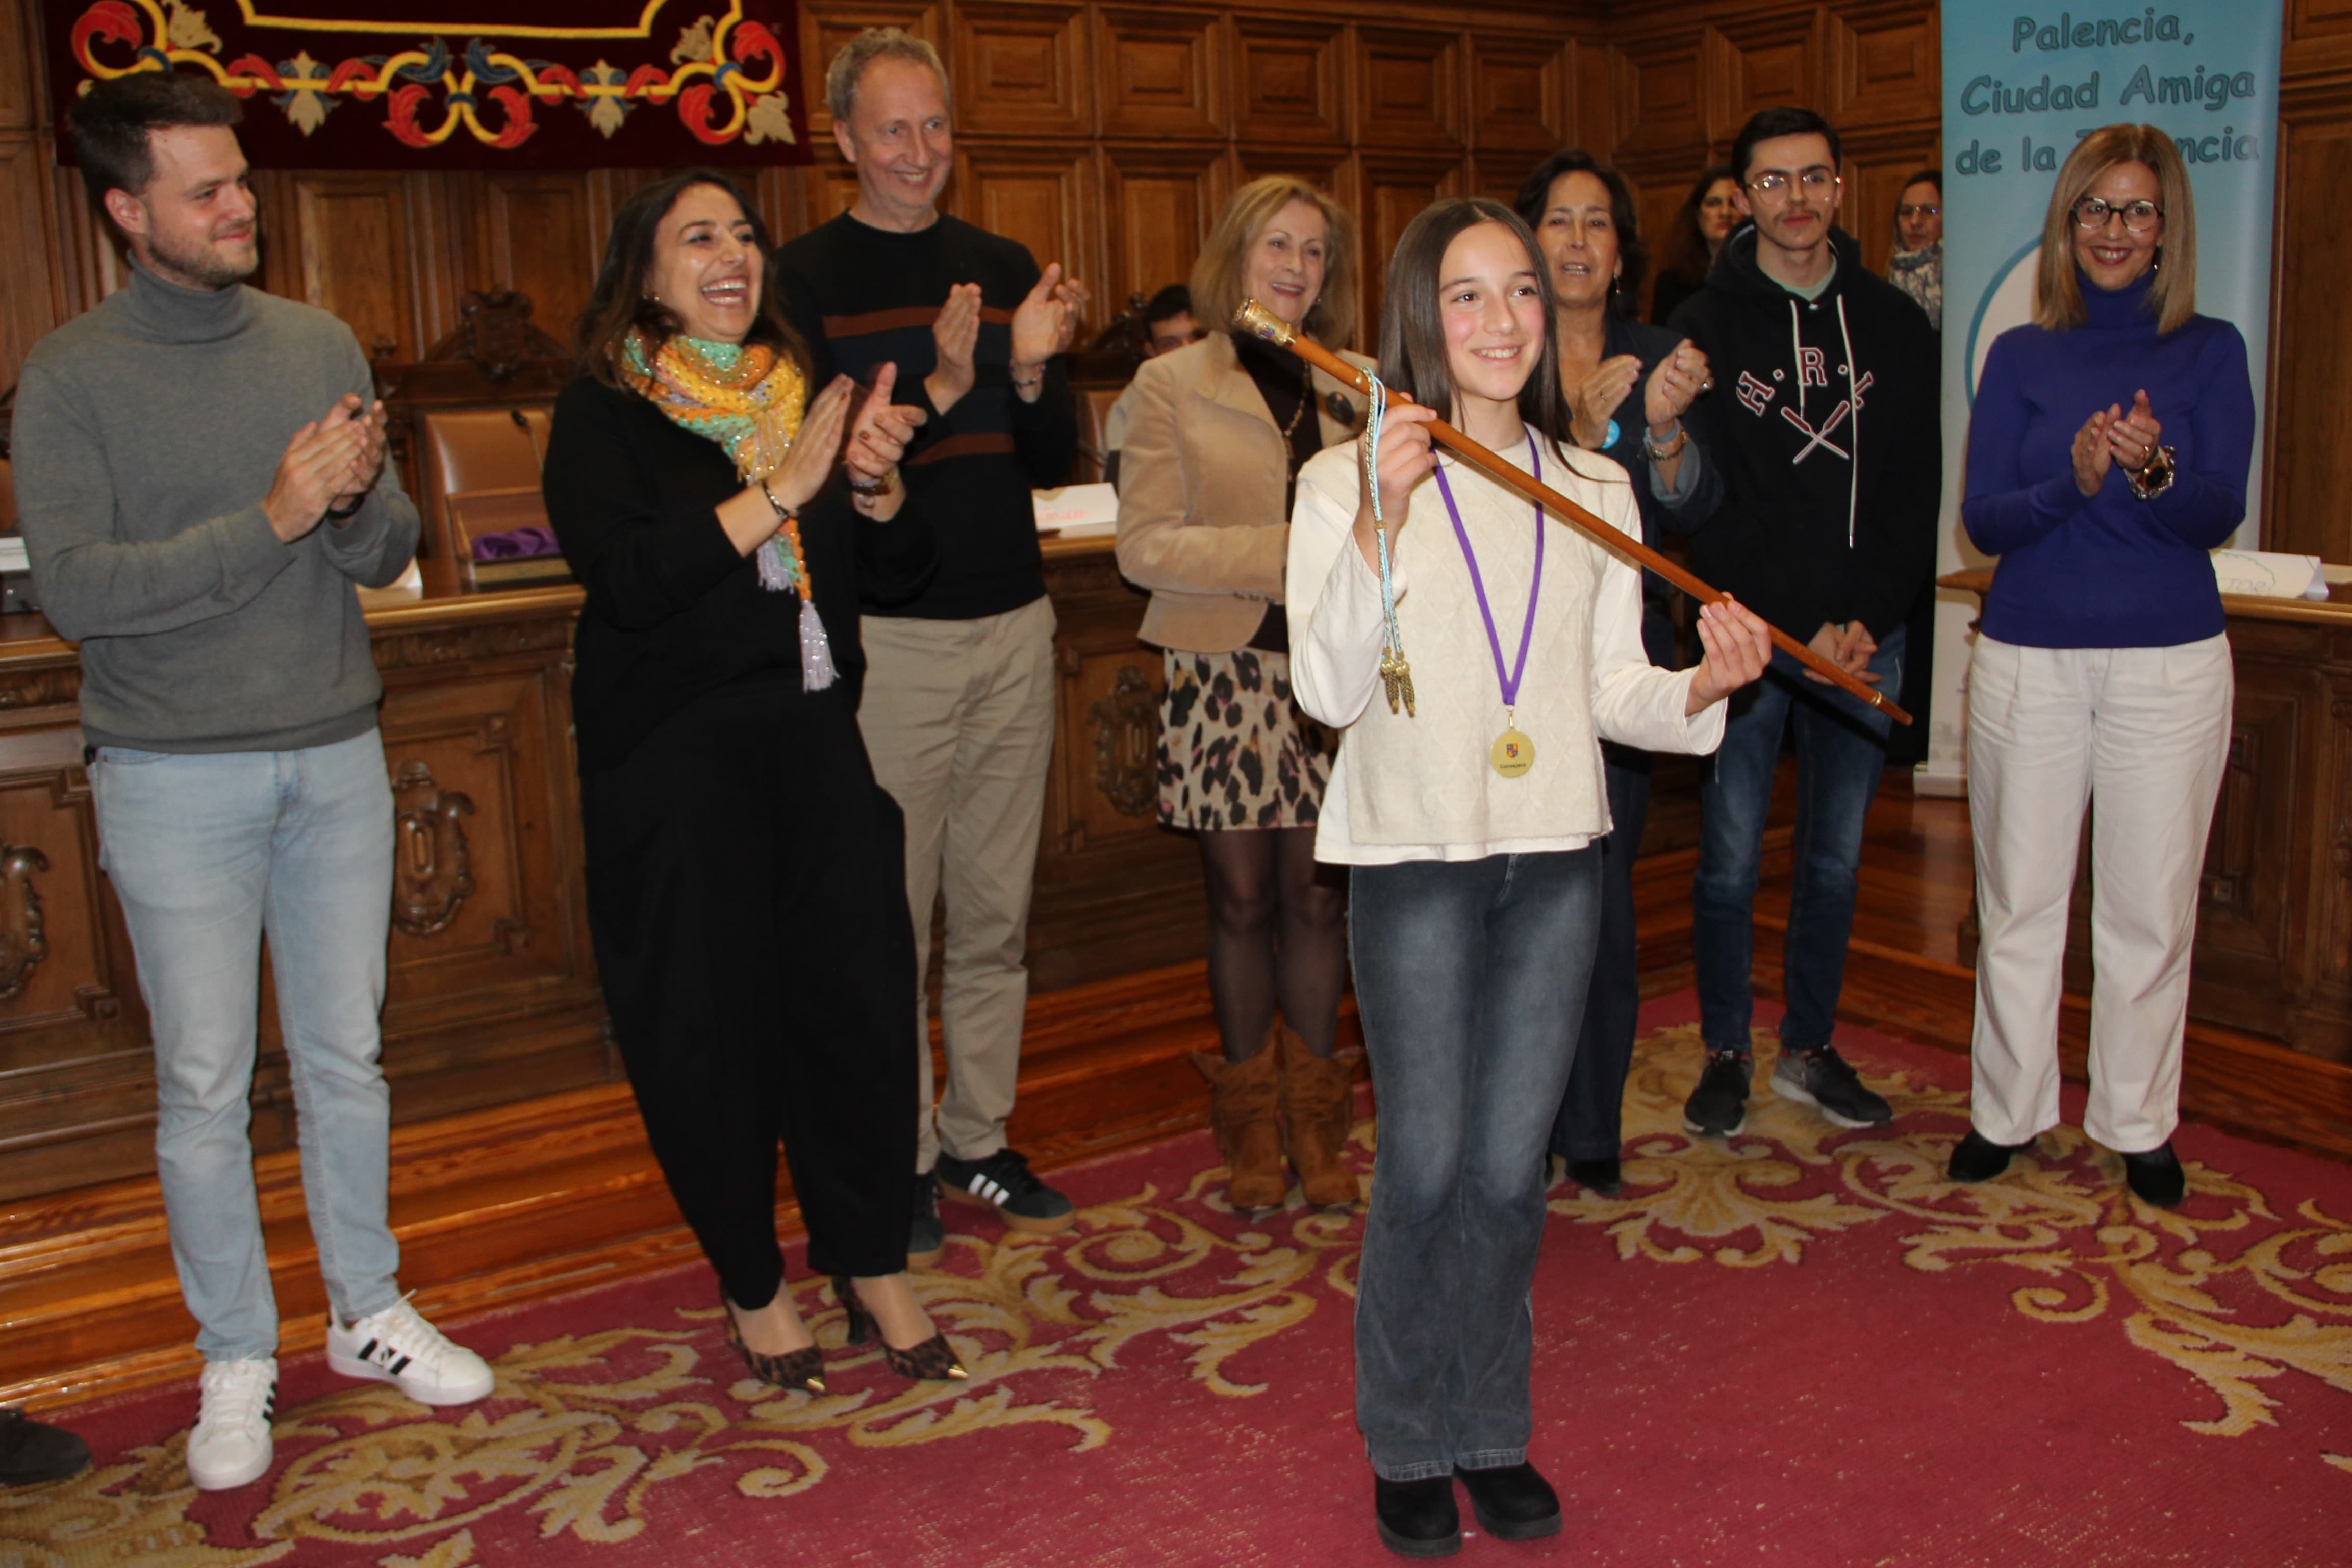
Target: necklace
(1306,396)
(1512,754)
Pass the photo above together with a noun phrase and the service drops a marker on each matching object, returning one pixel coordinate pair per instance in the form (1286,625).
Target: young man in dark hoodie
(1823,423)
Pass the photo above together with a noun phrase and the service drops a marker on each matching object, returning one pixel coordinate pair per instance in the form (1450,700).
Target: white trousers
(2143,733)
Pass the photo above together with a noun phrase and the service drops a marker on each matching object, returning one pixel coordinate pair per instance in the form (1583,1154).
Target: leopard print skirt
(1234,750)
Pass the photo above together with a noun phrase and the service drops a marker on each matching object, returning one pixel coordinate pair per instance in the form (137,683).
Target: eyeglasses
(1818,181)
(2092,211)
(1906,213)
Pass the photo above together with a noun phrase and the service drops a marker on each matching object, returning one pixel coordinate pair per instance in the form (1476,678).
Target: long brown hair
(1687,257)
(2172,298)
(1413,334)
(1217,274)
(620,301)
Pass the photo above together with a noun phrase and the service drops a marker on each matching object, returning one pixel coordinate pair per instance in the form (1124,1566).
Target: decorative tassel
(776,568)
(816,654)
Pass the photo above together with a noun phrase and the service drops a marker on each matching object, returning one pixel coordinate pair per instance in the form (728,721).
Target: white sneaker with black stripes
(230,1445)
(398,1346)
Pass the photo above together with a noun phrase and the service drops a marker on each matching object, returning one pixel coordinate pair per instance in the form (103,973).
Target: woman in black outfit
(1627,384)
(743,867)
(1701,225)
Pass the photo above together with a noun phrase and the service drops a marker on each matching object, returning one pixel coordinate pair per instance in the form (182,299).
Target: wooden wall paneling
(28,297)
(342,242)
(1159,203)
(2318,39)
(1020,69)
(1408,88)
(1394,187)
(1660,107)
(826,25)
(1042,195)
(1592,97)
(1885,64)
(1518,93)
(1163,73)
(21,97)
(1762,64)
(538,236)
(1289,80)
(2310,423)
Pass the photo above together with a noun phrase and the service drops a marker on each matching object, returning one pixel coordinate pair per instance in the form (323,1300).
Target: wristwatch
(2155,476)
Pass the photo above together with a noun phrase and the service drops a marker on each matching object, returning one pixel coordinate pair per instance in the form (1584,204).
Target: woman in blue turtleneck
(2108,457)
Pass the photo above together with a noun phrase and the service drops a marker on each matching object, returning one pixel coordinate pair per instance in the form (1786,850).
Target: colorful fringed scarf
(749,399)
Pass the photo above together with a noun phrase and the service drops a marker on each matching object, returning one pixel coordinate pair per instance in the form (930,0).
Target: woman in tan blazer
(1215,435)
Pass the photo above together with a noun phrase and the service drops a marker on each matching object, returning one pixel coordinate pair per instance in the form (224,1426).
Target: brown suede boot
(1318,1107)
(1242,1102)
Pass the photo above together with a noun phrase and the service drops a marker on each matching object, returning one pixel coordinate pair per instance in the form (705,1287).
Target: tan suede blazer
(1200,502)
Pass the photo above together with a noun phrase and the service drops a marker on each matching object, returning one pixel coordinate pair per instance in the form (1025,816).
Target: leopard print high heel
(802,1369)
(934,1359)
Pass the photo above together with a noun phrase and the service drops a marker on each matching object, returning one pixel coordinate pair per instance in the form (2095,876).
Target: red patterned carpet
(1802,1350)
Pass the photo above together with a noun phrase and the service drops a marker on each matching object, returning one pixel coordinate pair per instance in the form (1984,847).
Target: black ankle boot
(1977,1158)
(1603,1177)
(1417,1519)
(2157,1177)
(1514,1502)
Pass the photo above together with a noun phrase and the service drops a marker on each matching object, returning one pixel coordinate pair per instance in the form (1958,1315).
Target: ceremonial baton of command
(1259,321)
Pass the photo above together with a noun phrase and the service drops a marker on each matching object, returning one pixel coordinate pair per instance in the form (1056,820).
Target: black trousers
(747,897)
(1591,1112)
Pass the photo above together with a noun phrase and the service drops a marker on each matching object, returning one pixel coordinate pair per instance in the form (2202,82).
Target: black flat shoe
(934,1359)
(2157,1177)
(1417,1519)
(1513,1502)
(803,1369)
(1977,1158)
(1605,1177)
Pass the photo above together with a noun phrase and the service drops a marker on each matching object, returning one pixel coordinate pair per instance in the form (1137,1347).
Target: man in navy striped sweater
(958,710)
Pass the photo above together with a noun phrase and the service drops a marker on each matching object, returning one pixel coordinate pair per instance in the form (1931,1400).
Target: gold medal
(1512,754)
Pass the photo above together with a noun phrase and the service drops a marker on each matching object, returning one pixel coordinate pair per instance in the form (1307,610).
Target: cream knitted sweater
(1421,788)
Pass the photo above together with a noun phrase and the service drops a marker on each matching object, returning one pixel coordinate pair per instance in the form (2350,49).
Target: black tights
(1262,880)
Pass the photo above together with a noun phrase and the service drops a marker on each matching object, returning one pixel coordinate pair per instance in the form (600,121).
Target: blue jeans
(207,853)
(1470,978)
(1841,751)
(1591,1124)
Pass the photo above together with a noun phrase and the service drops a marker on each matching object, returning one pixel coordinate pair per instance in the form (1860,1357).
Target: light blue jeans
(207,853)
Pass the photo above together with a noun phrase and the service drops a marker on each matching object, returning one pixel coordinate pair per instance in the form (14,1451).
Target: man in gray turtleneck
(200,474)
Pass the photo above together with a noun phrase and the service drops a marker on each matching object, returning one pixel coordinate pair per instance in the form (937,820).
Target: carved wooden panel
(1659,103)
(538,239)
(350,253)
(2333,906)
(27,309)
(1159,203)
(1020,69)
(1518,93)
(1877,165)
(1395,187)
(1163,72)
(64,969)
(18,93)
(1884,65)
(1038,195)
(2311,423)
(1288,80)
(1762,64)
(1409,89)
(2241,909)
(826,25)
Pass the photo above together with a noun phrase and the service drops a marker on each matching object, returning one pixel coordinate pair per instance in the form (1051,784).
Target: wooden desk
(492,996)
(2273,953)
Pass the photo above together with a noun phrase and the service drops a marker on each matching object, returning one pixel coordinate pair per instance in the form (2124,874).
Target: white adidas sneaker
(398,1346)
(230,1445)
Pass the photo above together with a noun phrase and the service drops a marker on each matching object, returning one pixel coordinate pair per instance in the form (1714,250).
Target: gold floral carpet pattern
(1801,1345)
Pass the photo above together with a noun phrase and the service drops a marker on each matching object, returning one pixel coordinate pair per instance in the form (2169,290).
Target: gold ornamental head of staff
(1260,322)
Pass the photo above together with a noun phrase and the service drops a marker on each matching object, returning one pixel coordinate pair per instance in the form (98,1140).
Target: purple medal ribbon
(1510,682)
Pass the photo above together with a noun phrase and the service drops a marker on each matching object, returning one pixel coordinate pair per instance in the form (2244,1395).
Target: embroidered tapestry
(464,84)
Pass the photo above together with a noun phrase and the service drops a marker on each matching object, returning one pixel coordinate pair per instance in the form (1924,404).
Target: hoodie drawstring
(1854,424)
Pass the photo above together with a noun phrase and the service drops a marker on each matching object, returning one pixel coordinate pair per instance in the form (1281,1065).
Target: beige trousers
(959,716)
(2140,734)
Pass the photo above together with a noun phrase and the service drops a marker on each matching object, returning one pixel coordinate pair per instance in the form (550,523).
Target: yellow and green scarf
(748,398)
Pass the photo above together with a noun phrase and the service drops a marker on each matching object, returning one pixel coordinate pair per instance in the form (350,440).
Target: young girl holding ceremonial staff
(1475,653)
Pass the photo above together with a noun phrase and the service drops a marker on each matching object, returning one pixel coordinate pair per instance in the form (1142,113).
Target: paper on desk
(2270,574)
(1076,511)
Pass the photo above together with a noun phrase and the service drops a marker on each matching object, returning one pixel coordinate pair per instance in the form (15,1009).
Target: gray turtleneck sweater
(148,431)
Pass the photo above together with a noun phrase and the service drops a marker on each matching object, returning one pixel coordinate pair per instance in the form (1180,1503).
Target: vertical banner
(2020,88)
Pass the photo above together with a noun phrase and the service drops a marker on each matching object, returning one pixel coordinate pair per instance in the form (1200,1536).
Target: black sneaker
(1003,1182)
(1719,1103)
(1821,1078)
(1417,1519)
(926,1239)
(1514,1502)
(33,1451)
